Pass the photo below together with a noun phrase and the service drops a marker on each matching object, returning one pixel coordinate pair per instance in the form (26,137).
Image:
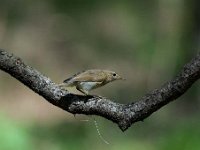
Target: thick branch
(122,114)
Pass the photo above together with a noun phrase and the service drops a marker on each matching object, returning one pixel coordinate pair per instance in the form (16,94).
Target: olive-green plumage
(90,79)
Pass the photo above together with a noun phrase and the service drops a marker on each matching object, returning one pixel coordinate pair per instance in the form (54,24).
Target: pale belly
(89,85)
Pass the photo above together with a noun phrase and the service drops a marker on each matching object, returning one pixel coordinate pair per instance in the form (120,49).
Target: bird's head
(112,76)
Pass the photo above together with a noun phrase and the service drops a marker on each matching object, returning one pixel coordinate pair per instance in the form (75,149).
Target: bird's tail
(67,83)
(67,80)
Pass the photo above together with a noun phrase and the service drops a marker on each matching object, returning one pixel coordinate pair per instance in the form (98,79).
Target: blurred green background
(147,42)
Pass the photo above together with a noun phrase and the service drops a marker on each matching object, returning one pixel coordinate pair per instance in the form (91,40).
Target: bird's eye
(114,74)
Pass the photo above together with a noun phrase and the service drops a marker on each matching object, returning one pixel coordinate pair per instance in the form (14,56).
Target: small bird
(88,80)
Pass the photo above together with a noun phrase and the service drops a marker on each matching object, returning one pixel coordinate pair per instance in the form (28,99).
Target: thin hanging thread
(97,128)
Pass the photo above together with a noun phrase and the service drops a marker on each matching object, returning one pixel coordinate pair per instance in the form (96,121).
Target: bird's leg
(82,91)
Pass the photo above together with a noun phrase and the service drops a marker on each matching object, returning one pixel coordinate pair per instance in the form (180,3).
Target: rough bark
(122,114)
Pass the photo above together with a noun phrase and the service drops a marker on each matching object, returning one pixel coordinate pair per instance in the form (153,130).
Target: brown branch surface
(122,114)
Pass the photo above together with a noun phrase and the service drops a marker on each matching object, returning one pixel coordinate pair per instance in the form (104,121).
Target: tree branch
(122,114)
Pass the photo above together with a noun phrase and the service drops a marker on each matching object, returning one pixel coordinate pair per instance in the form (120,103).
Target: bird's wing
(90,76)
(70,78)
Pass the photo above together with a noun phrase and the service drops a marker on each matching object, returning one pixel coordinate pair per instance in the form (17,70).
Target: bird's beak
(122,78)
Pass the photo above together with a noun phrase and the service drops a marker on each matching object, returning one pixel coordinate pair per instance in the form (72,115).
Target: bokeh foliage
(147,42)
